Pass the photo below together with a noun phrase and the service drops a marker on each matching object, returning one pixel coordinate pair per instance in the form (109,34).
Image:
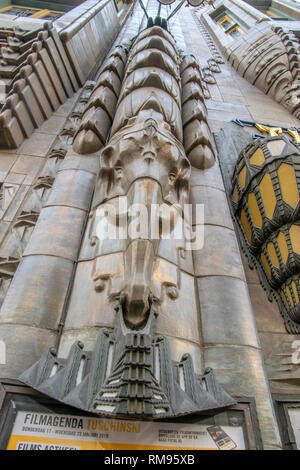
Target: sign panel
(48,431)
(294,415)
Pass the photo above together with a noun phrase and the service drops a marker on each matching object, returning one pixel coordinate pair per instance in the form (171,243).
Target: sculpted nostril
(149,155)
(136,309)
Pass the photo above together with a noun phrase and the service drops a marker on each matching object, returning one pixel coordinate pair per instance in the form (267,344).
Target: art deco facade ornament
(266,203)
(156,104)
(100,110)
(15,48)
(42,78)
(208,39)
(272,64)
(198,140)
(42,66)
(129,373)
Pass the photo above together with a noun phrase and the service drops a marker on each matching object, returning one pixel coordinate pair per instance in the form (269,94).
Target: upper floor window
(29,12)
(229,25)
(235,32)
(225,22)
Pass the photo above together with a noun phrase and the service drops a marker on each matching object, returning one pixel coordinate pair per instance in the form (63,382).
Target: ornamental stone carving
(145,274)
(272,64)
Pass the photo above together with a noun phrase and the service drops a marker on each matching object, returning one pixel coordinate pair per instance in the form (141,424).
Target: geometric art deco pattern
(266,202)
(129,373)
(272,63)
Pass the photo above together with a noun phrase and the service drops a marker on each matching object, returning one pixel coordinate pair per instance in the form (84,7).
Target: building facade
(150,224)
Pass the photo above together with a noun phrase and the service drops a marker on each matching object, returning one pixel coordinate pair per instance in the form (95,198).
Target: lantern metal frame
(161,21)
(283,218)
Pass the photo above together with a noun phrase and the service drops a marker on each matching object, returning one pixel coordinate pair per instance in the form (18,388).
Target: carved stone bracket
(128,373)
(272,64)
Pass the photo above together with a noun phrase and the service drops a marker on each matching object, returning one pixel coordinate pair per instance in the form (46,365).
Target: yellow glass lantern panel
(294,287)
(268,195)
(242,177)
(284,299)
(276,146)
(254,210)
(265,263)
(273,255)
(250,150)
(288,184)
(257,158)
(246,225)
(289,295)
(284,251)
(295,238)
(235,194)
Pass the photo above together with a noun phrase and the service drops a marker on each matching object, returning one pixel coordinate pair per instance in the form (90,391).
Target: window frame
(225,15)
(282,403)
(38,12)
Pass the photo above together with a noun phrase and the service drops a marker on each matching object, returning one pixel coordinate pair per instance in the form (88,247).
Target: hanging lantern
(195,3)
(266,203)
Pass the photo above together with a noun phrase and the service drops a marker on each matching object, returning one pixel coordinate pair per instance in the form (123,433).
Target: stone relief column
(267,56)
(145,163)
(133,307)
(37,295)
(44,239)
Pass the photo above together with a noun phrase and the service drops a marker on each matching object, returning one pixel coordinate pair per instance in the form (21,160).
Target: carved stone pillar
(131,342)
(33,306)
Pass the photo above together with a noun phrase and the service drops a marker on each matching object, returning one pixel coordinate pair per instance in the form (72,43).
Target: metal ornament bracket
(129,373)
(159,21)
